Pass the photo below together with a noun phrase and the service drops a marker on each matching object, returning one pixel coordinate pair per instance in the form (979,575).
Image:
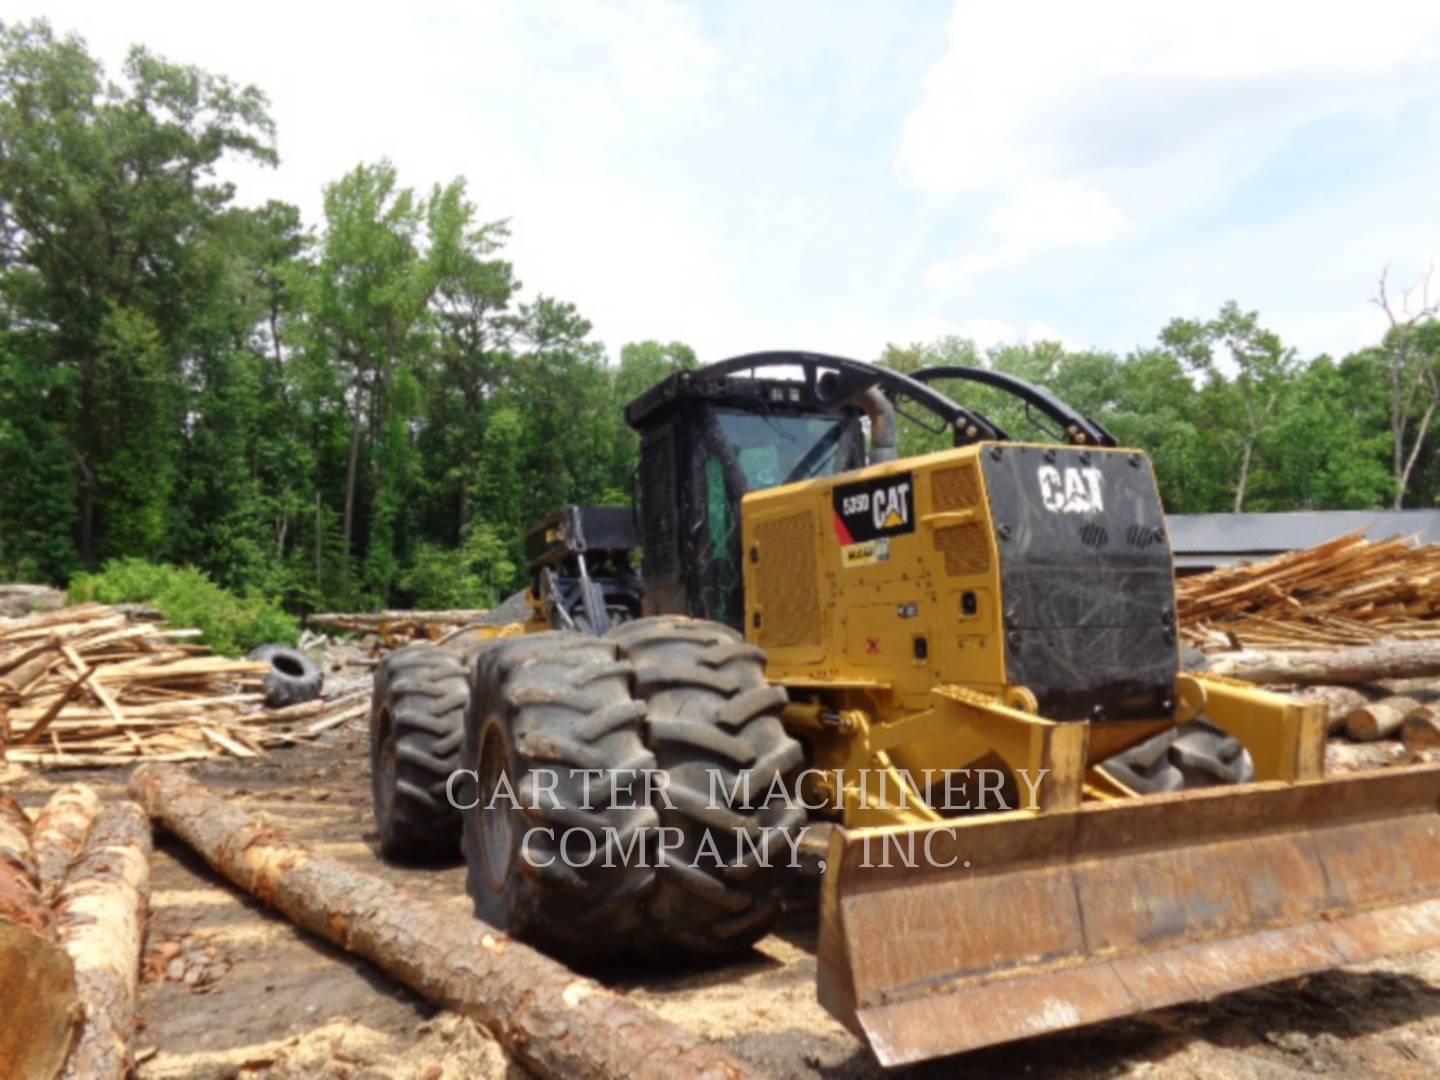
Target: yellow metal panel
(936,583)
(1285,737)
(787,587)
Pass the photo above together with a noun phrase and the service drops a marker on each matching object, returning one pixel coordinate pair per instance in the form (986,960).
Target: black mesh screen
(657,501)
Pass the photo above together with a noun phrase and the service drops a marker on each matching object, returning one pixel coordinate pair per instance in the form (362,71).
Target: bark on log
(59,834)
(1339,701)
(372,621)
(39,1007)
(101,917)
(1380,719)
(1421,729)
(1353,666)
(556,1022)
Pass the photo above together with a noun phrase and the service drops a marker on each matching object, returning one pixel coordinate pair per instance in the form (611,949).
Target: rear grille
(786,581)
(657,497)
(966,548)
(954,489)
(1094,536)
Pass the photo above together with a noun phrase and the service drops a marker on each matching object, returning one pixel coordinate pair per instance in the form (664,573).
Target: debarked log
(1379,719)
(39,1007)
(60,833)
(555,1021)
(101,918)
(1354,666)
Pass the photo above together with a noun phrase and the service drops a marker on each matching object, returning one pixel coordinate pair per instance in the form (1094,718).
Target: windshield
(778,449)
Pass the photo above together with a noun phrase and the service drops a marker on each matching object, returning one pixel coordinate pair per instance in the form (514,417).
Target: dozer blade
(1050,921)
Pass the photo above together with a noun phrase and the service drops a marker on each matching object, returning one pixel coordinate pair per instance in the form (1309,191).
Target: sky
(836,176)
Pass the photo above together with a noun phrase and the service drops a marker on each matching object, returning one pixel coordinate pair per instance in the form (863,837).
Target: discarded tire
(417,725)
(714,725)
(293,677)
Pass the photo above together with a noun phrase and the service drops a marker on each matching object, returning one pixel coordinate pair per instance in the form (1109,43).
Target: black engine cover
(1086,578)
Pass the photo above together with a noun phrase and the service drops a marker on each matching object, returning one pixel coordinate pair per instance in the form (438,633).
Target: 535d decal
(875,509)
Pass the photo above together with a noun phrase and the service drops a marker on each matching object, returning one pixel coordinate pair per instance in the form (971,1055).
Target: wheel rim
(497,822)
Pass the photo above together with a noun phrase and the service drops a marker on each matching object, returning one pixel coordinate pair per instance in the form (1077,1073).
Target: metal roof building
(1205,541)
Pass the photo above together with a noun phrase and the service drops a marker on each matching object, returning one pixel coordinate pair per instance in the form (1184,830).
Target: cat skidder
(876,631)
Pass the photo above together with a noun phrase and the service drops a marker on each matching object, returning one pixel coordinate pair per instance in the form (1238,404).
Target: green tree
(1263,368)
(107,199)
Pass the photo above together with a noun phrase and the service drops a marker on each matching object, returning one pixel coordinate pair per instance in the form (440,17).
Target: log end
(43,1013)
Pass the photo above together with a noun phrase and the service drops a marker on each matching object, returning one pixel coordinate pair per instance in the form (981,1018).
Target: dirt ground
(232,990)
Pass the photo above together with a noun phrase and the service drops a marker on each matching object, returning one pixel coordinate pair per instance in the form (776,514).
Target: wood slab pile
(92,686)
(1351,591)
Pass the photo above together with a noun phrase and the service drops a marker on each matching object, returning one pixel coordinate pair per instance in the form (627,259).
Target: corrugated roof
(1233,534)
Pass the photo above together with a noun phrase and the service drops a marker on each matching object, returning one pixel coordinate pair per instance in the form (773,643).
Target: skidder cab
(962,659)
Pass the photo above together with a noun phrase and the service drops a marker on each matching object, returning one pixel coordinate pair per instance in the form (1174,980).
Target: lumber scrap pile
(92,686)
(1351,591)
(395,628)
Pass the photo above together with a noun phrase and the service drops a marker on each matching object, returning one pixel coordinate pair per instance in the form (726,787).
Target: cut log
(1355,666)
(556,1022)
(41,1010)
(357,622)
(1421,729)
(1380,719)
(1339,702)
(59,834)
(101,919)
(23,599)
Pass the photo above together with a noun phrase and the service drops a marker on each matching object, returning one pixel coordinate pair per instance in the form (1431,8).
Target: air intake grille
(954,489)
(786,580)
(657,497)
(966,548)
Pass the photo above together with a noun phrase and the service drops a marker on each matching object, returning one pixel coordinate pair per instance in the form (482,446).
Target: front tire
(554,737)
(714,725)
(417,725)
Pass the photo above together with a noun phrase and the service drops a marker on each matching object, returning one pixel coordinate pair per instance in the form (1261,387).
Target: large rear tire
(417,725)
(554,737)
(714,726)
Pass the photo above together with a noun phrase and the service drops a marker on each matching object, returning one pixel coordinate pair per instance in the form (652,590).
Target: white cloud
(838,175)
(1038,216)
(1077,124)
(1026,93)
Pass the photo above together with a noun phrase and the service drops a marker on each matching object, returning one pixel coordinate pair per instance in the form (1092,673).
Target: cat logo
(873,509)
(1071,490)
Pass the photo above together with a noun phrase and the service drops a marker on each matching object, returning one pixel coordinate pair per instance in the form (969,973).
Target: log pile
(43,1012)
(1351,591)
(93,686)
(70,935)
(396,628)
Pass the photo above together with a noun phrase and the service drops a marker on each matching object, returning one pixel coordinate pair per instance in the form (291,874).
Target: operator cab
(706,440)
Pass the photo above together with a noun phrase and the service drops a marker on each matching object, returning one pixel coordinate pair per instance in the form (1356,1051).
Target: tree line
(370,410)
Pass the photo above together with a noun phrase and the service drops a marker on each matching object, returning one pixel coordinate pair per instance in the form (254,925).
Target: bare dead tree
(1414,381)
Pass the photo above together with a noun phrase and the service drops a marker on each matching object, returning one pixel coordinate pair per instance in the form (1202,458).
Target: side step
(1052,921)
